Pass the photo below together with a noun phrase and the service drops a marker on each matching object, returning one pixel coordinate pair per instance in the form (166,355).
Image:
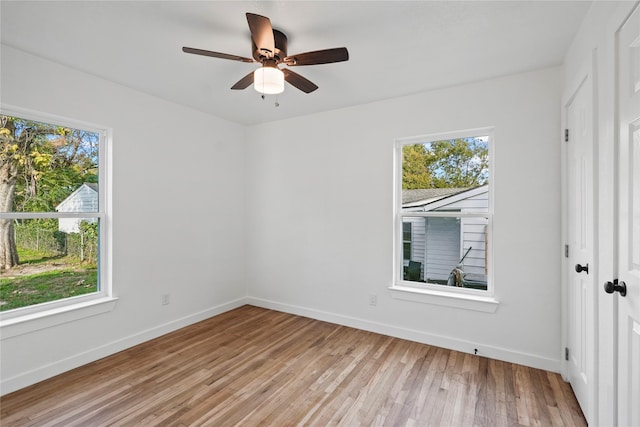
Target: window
(443,212)
(406,241)
(53,214)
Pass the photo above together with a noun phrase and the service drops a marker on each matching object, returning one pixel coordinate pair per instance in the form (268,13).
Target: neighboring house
(84,199)
(439,243)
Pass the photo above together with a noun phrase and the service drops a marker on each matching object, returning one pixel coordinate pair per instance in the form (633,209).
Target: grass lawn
(42,278)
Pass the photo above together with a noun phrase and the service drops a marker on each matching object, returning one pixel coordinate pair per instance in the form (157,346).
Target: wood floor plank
(253,366)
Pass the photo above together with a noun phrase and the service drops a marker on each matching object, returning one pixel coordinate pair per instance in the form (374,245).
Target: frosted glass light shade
(268,80)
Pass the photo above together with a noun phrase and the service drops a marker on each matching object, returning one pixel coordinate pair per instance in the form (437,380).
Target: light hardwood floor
(252,366)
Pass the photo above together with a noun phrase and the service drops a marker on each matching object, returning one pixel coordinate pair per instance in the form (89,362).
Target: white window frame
(471,299)
(40,316)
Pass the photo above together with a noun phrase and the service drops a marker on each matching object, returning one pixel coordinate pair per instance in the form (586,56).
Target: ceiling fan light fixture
(269,48)
(268,80)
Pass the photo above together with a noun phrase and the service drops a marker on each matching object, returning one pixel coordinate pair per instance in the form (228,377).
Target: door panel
(581,292)
(628,185)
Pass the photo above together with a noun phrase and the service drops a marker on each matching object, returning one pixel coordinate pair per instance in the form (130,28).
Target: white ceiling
(396,48)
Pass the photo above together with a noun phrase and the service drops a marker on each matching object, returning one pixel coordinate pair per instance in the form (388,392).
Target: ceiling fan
(269,48)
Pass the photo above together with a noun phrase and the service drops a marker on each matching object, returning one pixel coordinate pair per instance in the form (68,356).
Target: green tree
(88,241)
(40,165)
(416,161)
(459,163)
(456,163)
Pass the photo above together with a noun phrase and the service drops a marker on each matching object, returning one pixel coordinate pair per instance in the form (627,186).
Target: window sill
(47,318)
(444,298)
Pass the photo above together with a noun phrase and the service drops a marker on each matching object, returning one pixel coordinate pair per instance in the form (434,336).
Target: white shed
(438,243)
(84,199)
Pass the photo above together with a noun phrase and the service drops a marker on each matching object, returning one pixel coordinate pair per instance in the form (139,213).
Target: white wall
(175,223)
(320,227)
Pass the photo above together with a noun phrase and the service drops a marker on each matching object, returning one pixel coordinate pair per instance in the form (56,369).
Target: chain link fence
(82,245)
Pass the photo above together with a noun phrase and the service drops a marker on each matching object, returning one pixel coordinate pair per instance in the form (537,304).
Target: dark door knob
(616,287)
(580,269)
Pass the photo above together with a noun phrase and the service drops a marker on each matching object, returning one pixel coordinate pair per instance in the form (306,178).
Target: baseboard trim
(42,373)
(493,352)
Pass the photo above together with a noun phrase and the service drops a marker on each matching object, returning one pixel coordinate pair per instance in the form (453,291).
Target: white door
(582,292)
(628,190)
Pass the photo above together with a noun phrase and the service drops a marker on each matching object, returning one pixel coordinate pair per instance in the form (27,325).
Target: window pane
(448,251)
(54,263)
(445,177)
(46,167)
(406,250)
(406,231)
(406,240)
(456,163)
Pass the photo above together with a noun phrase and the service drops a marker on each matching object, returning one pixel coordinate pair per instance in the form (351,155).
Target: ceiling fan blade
(326,56)
(262,34)
(216,54)
(244,82)
(298,81)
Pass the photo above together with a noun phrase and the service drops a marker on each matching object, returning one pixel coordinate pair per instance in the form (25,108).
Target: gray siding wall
(439,243)
(474,237)
(84,200)
(477,203)
(443,247)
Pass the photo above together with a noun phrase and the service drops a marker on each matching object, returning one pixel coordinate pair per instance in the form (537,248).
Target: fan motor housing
(280,42)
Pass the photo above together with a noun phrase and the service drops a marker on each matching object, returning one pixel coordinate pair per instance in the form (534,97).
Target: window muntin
(443,191)
(57,215)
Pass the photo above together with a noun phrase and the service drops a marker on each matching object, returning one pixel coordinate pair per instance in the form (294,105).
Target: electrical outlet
(166,299)
(373,299)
